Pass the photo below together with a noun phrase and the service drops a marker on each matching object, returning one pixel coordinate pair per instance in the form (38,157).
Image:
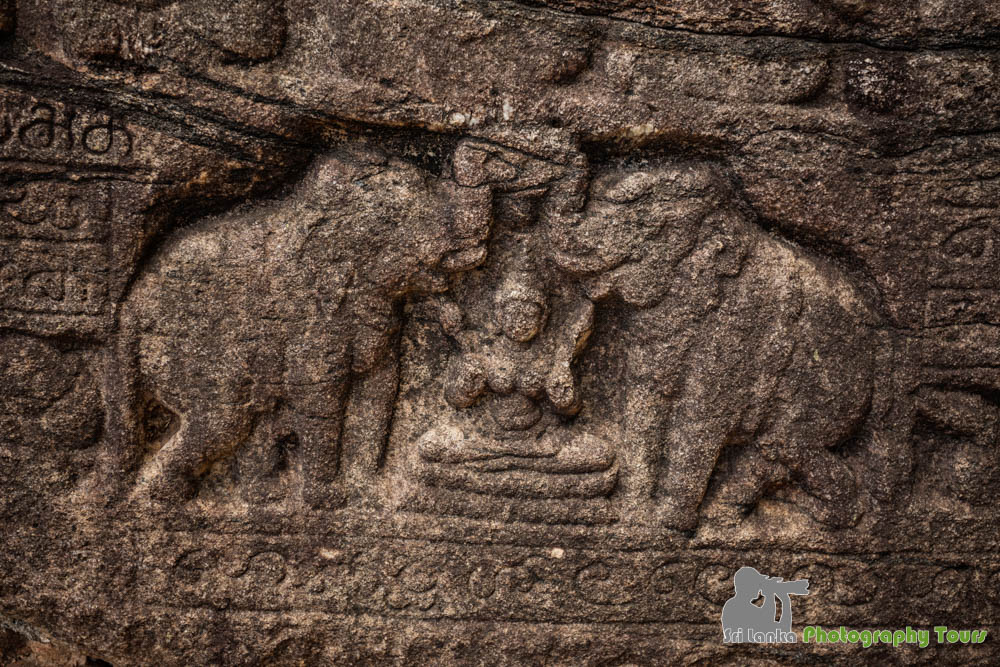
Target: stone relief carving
(245,31)
(434,331)
(767,306)
(273,328)
(719,322)
(734,338)
(286,314)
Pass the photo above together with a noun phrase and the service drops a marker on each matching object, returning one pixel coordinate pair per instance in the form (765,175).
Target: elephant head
(638,226)
(401,228)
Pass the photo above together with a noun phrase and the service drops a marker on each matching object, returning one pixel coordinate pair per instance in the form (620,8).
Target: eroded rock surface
(495,332)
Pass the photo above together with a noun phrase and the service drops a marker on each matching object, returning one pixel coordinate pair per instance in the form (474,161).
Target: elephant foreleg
(700,425)
(368,418)
(645,409)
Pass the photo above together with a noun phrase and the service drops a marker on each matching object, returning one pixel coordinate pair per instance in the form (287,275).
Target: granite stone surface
(491,332)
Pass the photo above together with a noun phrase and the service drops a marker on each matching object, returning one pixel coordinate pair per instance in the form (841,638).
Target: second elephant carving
(734,338)
(285,312)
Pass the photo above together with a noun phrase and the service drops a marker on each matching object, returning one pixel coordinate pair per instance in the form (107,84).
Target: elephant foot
(673,515)
(840,514)
(323,495)
(728,514)
(163,492)
(262,492)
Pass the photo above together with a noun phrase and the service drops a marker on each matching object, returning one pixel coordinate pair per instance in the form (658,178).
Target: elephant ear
(640,284)
(682,260)
(719,254)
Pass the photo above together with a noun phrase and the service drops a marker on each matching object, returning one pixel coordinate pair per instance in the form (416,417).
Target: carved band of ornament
(54,211)
(34,287)
(550,583)
(54,127)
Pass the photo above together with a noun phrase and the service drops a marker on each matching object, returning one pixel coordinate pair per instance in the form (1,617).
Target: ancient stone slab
(493,332)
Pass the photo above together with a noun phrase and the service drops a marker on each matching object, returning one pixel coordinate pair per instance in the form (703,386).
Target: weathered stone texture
(492,332)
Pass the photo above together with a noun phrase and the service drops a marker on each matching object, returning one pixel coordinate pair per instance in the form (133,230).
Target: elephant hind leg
(744,480)
(202,439)
(118,456)
(832,491)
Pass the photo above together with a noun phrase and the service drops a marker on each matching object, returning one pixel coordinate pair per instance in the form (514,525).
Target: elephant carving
(734,338)
(287,311)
